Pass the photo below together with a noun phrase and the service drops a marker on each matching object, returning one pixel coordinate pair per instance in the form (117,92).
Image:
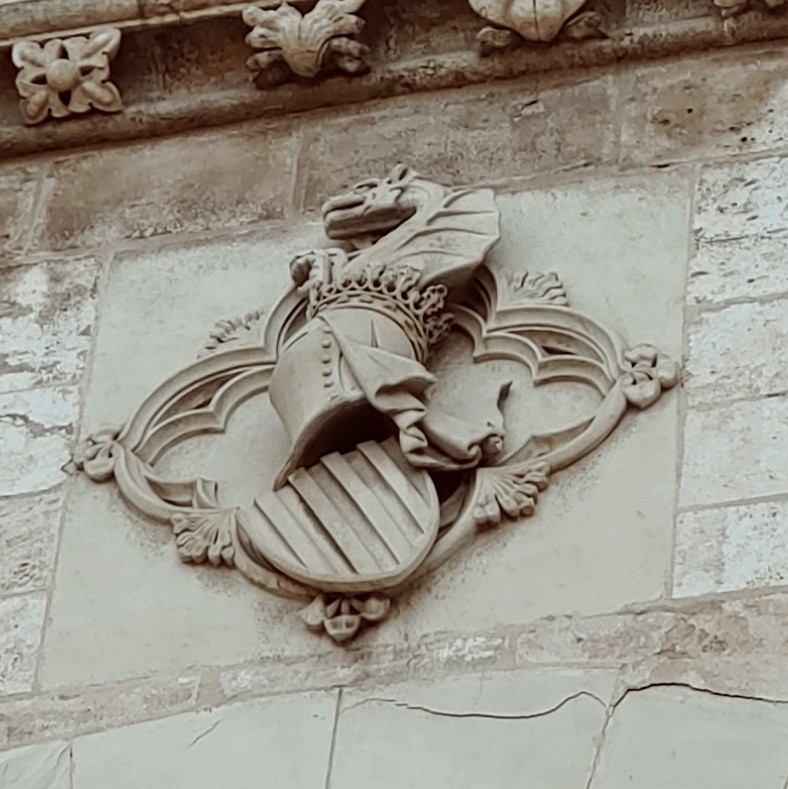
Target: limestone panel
(479,135)
(167,301)
(207,181)
(125,606)
(512,729)
(36,431)
(45,766)
(601,536)
(277,742)
(684,739)
(719,550)
(749,267)
(745,198)
(46,322)
(739,351)
(673,112)
(20,635)
(735,451)
(28,538)
(594,544)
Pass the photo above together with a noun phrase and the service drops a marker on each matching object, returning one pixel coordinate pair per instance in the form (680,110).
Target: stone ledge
(175,76)
(34,20)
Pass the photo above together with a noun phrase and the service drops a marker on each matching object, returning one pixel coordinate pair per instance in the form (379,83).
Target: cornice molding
(187,67)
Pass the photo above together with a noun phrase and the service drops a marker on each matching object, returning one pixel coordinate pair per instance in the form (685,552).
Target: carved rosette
(67,76)
(525,318)
(305,44)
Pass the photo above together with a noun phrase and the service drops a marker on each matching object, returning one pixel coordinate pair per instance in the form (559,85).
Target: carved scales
(347,358)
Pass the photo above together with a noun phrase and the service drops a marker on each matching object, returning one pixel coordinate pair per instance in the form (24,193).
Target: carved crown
(393,291)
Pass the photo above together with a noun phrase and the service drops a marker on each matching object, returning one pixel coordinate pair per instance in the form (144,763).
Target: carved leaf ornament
(347,528)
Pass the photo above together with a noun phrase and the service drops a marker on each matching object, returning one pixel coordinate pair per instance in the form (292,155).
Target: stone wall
(631,633)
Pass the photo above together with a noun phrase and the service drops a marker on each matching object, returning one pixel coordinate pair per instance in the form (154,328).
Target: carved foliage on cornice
(730,8)
(67,76)
(305,44)
(512,21)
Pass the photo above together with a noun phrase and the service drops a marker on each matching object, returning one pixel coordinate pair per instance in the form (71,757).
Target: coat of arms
(384,479)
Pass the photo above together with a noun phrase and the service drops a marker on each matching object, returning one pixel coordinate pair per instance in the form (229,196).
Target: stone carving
(513,21)
(385,477)
(292,43)
(66,76)
(729,8)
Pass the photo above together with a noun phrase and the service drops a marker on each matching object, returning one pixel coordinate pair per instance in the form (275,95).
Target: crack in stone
(484,715)
(688,686)
(204,734)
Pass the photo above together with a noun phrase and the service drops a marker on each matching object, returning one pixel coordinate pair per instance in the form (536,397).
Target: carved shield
(357,521)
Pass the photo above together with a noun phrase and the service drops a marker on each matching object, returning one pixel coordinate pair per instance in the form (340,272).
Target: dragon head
(374,205)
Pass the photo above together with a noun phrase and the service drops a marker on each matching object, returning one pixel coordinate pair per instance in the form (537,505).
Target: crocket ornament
(386,476)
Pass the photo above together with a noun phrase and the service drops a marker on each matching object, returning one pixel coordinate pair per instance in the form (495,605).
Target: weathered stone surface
(739,351)
(742,199)
(685,739)
(672,112)
(79,710)
(36,428)
(20,635)
(498,730)
(207,181)
(749,267)
(44,766)
(275,742)
(46,322)
(718,550)
(28,538)
(654,12)
(735,451)
(17,198)
(732,646)
(484,134)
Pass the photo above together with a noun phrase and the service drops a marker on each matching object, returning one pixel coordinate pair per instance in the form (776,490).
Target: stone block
(673,112)
(749,267)
(487,134)
(720,550)
(282,742)
(46,322)
(595,543)
(20,636)
(685,739)
(18,187)
(742,199)
(36,431)
(206,181)
(45,766)
(505,729)
(734,452)
(739,351)
(28,539)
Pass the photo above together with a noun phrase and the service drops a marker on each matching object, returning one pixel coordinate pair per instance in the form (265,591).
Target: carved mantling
(388,533)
